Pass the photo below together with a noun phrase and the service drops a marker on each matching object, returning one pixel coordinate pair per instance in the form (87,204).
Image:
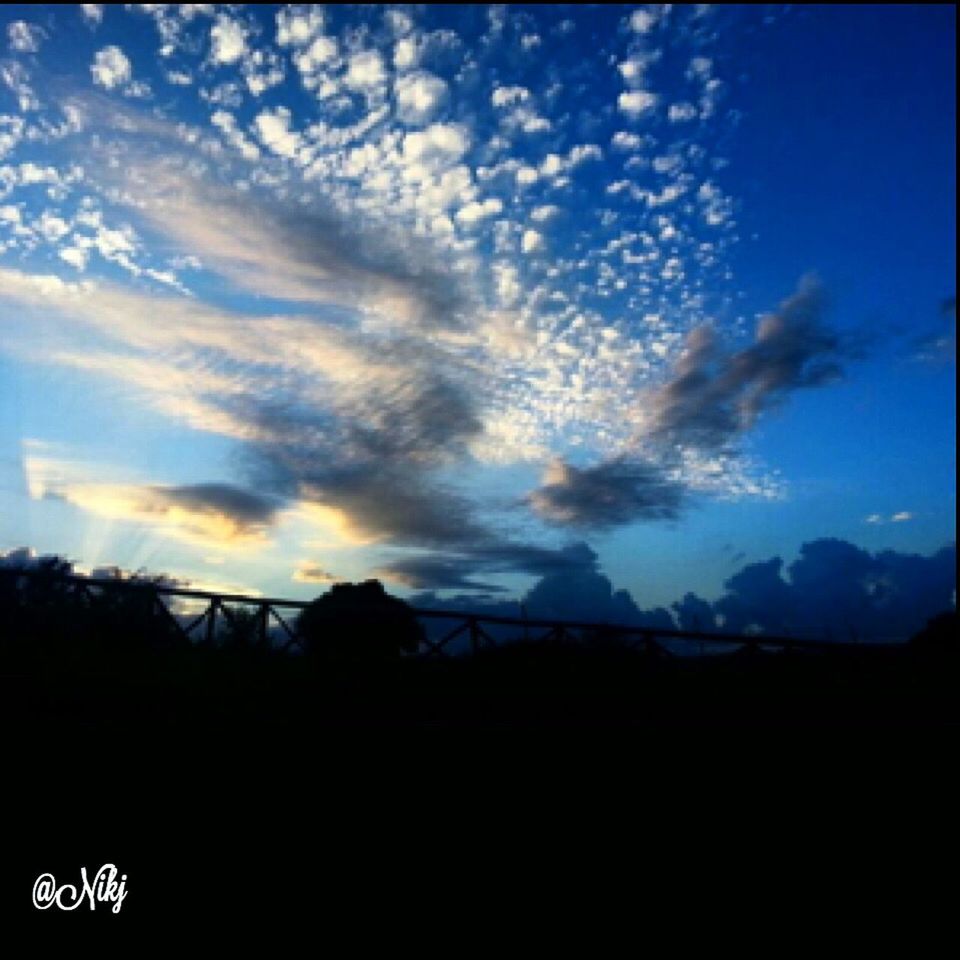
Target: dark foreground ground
(212,777)
(235,693)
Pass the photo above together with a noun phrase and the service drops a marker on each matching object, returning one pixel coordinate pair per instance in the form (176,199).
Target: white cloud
(544,213)
(583,152)
(642,21)
(680,112)
(179,78)
(633,69)
(405,54)
(527,176)
(322,50)
(227,124)
(507,283)
(508,96)
(111,68)
(273,128)
(13,74)
(52,227)
(365,71)
(474,212)
(636,103)
(296,26)
(418,96)
(622,140)
(532,241)
(902,516)
(92,12)
(228,40)
(75,256)
(439,143)
(700,68)
(551,165)
(24,37)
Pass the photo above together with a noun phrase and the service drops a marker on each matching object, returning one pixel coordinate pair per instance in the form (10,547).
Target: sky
(481,301)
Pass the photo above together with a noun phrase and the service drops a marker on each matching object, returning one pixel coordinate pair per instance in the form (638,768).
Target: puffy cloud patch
(637,103)
(111,68)
(714,396)
(24,37)
(613,493)
(308,572)
(228,40)
(419,96)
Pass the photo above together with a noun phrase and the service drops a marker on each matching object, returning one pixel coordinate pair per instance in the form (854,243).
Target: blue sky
(442,294)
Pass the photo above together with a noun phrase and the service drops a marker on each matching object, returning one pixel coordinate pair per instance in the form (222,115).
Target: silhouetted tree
(939,638)
(358,623)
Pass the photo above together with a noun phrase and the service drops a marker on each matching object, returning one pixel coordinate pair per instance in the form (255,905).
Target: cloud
(474,212)
(25,37)
(111,68)
(366,72)
(687,428)
(228,40)
(92,12)
(308,572)
(487,554)
(434,573)
(637,103)
(570,587)
(297,25)
(509,96)
(833,589)
(713,396)
(208,514)
(836,589)
(589,596)
(305,254)
(615,492)
(532,241)
(419,96)
(325,414)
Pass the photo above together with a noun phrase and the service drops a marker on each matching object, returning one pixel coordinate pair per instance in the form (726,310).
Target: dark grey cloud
(694,613)
(714,396)
(836,589)
(615,492)
(489,555)
(833,589)
(570,588)
(436,573)
(589,595)
(710,400)
(246,509)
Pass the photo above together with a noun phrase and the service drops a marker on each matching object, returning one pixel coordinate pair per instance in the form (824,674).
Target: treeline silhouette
(69,654)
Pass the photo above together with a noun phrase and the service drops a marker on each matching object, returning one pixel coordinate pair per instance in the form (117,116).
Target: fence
(269,623)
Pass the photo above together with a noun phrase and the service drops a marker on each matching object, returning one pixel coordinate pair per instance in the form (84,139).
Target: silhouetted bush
(241,628)
(939,638)
(358,623)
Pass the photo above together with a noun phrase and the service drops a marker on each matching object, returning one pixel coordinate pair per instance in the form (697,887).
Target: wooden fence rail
(267,617)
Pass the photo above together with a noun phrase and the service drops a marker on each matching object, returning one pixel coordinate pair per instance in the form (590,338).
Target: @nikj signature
(102,888)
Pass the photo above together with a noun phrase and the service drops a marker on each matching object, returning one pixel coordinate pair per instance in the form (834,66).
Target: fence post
(263,612)
(212,621)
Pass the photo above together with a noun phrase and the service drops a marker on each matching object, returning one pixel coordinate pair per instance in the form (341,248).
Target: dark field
(72,659)
(236,693)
